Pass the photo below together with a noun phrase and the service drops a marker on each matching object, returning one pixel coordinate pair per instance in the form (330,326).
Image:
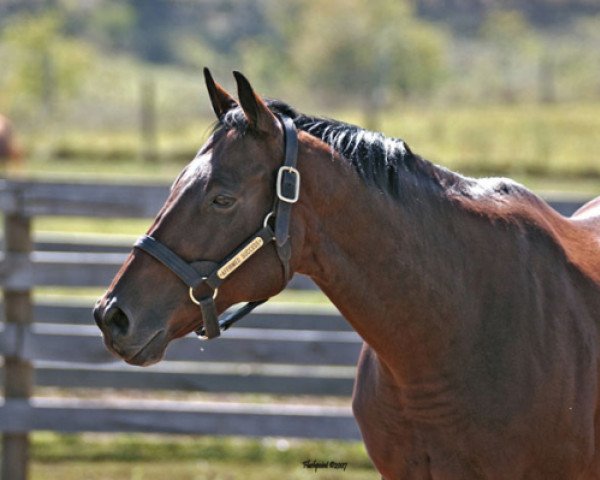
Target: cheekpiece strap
(287,191)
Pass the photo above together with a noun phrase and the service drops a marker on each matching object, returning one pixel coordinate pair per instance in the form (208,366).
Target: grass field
(557,142)
(190,470)
(149,457)
(552,141)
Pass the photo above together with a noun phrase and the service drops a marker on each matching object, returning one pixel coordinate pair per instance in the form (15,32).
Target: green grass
(108,457)
(53,447)
(557,142)
(100,226)
(554,141)
(189,470)
(111,170)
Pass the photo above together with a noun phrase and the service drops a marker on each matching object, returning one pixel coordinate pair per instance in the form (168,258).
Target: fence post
(18,372)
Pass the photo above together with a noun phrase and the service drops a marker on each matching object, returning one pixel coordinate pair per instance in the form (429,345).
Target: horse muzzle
(122,339)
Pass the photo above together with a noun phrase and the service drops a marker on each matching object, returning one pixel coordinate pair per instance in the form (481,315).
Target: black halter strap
(212,274)
(287,192)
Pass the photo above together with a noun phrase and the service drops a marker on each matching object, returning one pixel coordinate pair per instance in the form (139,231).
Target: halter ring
(196,301)
(267,218)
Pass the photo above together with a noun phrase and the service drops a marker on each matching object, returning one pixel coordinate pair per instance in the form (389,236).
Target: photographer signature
(318,464)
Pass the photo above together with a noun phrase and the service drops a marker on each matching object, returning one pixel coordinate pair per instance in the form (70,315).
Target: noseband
(212,274)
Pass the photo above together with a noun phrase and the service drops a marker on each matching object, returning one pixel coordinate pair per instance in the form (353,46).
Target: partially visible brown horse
(479,304)
(8,148)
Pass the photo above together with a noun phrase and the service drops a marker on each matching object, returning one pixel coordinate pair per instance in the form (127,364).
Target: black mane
(379,160)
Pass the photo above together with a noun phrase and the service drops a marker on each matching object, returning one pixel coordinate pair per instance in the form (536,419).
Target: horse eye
(223,201)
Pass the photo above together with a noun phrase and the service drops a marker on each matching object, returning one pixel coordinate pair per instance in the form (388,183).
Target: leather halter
(212,274)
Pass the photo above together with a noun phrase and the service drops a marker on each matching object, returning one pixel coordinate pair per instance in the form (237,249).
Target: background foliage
(81,76)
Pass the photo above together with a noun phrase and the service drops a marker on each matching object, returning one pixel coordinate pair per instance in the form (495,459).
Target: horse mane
(389,165)
(383,162)
(378,160)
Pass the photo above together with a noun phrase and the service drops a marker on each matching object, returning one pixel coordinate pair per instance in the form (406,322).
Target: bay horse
(478,304)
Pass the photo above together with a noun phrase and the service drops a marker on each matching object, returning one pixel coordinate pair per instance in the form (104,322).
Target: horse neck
(385,263)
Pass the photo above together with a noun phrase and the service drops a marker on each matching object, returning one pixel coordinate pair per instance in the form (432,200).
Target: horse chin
(152,352)
(145,360)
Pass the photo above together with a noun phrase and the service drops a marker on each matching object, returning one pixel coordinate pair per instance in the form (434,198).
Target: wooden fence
(294,351)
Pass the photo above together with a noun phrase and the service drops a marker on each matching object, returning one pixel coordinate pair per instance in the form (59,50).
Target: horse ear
(221,101)
(259,116)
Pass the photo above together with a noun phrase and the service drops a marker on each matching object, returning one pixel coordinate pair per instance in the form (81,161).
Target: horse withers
(478,304)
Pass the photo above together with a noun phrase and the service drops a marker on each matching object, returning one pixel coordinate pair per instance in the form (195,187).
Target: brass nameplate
(240,258)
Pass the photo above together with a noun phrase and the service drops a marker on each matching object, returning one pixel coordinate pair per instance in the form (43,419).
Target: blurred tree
(193,52)
(264,61)
(112,24)
(153,25)
(266,56)
(515,46)
(46,66)
(220,25)
(374,49)
(589,31)
(226,23)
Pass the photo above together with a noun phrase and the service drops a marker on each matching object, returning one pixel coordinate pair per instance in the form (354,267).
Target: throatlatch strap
(232,317)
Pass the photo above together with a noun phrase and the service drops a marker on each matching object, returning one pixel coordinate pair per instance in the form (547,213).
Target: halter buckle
(288,177)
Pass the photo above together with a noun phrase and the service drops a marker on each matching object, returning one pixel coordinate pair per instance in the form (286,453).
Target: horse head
(216,241)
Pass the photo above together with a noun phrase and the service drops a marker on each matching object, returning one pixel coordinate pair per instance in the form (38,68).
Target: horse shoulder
(390,439)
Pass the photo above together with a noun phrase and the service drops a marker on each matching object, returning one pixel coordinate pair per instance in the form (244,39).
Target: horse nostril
(116,320)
